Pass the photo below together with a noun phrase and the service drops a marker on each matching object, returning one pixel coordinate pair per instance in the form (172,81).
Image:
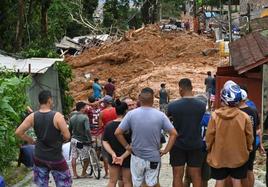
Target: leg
(228,182)
(84,153)
(74,167)
(178,173)
(236,182)
(204,183)
(86,163)
(187,179)
(195,159)
(62,178)
(137,168)
(126,177)
(195,174)
(74,156)
(177,161)
(41,176)
(114,175)
(151,175)
(219,183)
(106,167)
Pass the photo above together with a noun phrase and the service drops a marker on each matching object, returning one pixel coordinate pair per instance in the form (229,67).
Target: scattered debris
(145,57)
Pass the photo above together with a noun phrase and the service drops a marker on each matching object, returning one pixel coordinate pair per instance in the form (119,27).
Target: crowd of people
(128,136)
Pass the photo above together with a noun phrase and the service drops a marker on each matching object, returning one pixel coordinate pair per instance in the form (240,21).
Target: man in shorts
(205,169)
(229,138)
(51,131)
(187,114)
(145,124)
(81,138)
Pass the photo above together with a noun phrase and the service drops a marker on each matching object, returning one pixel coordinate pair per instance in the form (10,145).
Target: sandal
(86,176)
(76,177)
(106,177)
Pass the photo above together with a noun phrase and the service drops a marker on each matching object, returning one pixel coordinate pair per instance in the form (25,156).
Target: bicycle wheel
(94,162)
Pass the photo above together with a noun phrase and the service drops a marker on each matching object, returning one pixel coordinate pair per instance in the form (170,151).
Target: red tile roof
(250,51)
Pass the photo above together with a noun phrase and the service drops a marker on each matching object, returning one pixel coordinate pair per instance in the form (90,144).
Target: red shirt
(93,115)
(110,88)
(108,115)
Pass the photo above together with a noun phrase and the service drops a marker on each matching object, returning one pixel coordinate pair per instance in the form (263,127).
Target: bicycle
(94,164)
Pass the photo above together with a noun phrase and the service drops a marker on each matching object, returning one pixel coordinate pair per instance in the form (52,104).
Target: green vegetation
(13,102)
(65,76)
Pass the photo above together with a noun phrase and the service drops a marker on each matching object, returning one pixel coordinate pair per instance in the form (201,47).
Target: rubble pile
(145,57)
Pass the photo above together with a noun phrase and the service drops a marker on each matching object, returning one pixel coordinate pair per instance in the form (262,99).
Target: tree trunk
(145,13)
(20,24)
(44,21)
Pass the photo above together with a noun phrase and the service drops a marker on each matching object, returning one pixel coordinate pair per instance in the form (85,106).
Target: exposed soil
(145,57)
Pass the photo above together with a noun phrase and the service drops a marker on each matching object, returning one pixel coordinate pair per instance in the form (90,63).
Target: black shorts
(223,173)
(205,170)
(180,157)
(251,160)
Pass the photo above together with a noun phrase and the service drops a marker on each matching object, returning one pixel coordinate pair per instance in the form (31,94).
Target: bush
(13,102)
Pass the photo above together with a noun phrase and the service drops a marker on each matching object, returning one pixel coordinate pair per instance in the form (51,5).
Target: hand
(119,160)
(163,152)
(114,157)
(32,141)
(261,150)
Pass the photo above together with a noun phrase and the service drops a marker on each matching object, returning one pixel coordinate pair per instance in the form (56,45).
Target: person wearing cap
(255,121)
(163,98)
(229,138)
(107,115)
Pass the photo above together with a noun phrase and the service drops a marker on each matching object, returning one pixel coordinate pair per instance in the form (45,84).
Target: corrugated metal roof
(249,52)
(37,65)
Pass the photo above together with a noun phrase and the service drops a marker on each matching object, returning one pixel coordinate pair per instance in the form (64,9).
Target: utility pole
(230,20)
(230,28)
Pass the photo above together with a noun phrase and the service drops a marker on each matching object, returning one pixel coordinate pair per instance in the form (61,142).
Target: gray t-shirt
(146,124)
(79,127)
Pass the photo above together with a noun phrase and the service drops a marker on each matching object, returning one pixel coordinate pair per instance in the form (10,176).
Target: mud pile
(145,57)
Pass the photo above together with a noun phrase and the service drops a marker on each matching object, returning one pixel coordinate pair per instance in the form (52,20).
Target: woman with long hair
(118,158)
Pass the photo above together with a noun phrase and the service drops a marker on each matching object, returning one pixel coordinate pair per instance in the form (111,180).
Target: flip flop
(106,177)
(86,176)
(76,177)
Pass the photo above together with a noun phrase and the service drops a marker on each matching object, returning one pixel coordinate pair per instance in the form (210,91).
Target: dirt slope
(146,57)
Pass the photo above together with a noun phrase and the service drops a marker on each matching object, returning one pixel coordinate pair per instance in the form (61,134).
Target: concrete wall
(46,81)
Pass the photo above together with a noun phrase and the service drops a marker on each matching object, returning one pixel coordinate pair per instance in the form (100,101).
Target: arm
(62,126)
(109,149)
(24,126)
(87,128)
(249,133)
(211,132)
(100,120)
(261,148)
(119,133)
(172,138)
